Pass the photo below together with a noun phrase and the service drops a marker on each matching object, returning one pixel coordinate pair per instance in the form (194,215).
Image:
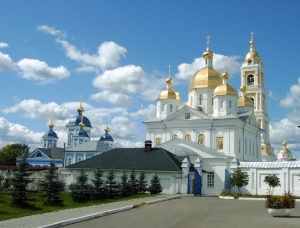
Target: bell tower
(253,76)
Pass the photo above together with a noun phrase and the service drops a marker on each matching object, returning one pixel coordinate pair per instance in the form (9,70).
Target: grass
(8,211)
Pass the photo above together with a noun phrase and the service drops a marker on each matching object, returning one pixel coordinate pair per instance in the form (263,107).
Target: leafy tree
(239,178)
(124,185)
(155,186)
(51,187)
(272,181)
(10,152)
(98,184)
(142,183)
(133,182)
(20,182)
(81,191)
(112,187)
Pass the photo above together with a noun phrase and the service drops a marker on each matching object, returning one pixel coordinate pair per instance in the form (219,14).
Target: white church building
(219,129)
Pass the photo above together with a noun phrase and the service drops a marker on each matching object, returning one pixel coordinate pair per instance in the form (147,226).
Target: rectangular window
(200,99)
(187,115)
(229,104)
(163,107)
(171,108)
(222,104)
(211,179)
(69,161)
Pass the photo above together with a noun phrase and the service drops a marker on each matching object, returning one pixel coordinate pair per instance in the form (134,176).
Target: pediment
(37,153)
(187,113)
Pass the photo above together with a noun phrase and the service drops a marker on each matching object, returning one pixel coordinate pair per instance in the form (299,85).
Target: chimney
(148,145)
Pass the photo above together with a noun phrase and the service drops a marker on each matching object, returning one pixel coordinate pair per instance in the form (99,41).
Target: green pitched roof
(157,159)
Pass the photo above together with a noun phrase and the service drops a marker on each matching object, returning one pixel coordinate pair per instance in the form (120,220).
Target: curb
(103,213)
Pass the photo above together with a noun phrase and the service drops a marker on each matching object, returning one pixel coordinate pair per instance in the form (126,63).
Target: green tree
(124,185)
(20,182)
(142,183)
(10,152)
(81,191)
(272,181)
(51,187)
(155,186)
(112,186)
(133,182)
(98,185)
(239,179)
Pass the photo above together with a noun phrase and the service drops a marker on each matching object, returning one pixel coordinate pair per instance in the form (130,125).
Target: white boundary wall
(288,173)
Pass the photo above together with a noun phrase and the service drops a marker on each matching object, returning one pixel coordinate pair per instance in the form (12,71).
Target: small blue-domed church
(79,146)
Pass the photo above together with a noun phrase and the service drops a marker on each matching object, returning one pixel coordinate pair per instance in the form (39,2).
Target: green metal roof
(157,159)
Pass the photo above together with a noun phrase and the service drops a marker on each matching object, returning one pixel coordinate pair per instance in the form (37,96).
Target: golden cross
(169,70)
(208,37)
(252,34)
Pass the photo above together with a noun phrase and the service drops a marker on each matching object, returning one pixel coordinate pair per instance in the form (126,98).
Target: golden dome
(244,101)
(224,89)
(168,94)
(252,55)
(208,54)
(284,149)
(207,77)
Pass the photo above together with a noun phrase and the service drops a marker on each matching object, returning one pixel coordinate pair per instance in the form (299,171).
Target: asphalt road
(195,212)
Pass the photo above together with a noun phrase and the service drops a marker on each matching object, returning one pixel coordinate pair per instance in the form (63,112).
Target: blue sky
(115,54)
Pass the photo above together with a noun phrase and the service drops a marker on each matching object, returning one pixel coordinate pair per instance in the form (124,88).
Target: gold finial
(51,125)
(106,129)
(81,124)
(243,88)
(169,79)
(284,144)
(252,40)
(80,109)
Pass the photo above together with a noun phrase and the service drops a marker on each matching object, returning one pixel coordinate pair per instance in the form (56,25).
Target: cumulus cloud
(16,133)
(145,113)
(51,30)
(6,63)
(124,128)
(111,97)
(3,45)
(40,71)
(108,54)
(292,99)
(35,109)
(126,79)
(186,70)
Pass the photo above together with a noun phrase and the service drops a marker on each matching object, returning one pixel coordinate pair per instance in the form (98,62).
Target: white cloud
(6,62)
(51,30)
(124,128)
(126,79)
(186,70)
(16,133)
(292,99)
(145,113)
(3,45)
(40,71)
(35,109)
(112,98)
(108,54)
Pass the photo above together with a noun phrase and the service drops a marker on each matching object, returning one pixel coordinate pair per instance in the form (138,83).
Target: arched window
(38,155)
(201,139)
(188,137)
(174,136)
(250,79)
(252,99)
(71,137)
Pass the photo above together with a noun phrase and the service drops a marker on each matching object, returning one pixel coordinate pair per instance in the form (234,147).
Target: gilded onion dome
(244,100)
(207,77)
(284,149)
(225,88)
(169,92)
(252,54)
